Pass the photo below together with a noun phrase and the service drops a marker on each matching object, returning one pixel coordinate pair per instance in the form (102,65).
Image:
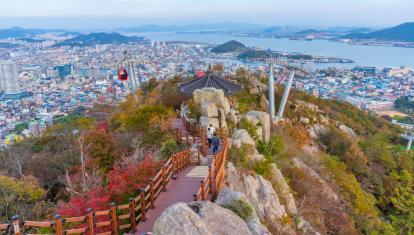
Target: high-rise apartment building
(9,78)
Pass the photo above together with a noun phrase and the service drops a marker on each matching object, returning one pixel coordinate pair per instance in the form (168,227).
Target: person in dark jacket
(216,143)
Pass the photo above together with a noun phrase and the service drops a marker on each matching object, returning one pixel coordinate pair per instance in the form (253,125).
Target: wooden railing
(190,135)
(117,219)
(214,181)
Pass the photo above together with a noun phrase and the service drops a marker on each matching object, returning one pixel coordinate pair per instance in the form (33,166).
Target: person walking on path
(210,131)
(209,137)
(216,143)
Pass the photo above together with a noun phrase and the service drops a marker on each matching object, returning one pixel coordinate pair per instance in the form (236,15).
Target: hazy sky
(113,13)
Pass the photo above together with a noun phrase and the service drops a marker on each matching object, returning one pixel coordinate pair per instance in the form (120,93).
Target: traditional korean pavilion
(210,80)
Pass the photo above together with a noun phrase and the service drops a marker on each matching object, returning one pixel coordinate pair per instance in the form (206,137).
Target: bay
(363,55)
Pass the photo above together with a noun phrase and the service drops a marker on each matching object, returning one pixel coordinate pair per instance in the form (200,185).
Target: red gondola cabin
(122,74)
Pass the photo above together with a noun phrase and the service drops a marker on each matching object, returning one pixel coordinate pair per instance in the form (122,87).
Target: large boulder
(226,196)
(180,219)
(241,136)
(222,118)
(263,198)
(199,218)
(206,121)
(211,95)
(264,119)
(316,130)
(255,86)
(351,133)
(264,103)
(209,109)
(233,116)
(283,190)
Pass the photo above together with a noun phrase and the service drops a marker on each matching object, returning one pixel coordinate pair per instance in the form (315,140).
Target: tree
(100,148)
(15,160)
(18,196)
(170,94)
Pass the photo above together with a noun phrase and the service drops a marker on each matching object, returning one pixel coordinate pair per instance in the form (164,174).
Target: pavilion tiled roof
(210,80)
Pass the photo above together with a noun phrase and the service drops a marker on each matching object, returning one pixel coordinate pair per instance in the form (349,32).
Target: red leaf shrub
(124,182)
(97,199)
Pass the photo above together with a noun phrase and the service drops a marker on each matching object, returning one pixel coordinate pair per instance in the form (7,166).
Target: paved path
(179,190)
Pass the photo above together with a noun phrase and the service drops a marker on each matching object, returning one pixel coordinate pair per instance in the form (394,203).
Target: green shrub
(272,150)
(361,204)
(247,102)
(194,111)
(239,156)
(241,208)
(249,127)
(168,148)
(263,168)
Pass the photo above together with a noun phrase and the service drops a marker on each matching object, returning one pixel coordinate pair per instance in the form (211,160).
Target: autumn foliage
(123,182)
(97,198)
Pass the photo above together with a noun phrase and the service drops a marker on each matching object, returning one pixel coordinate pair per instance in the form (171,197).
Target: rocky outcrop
(209,109)
(264,120)
(222,118)
(226,196)
(264,103)
(324,187)
(306,105)
(206,121)
(233,116)
(283,190)
(255,87)
(261,195)
(316,130)
(351,133)
(213,107)
(211,95)
(241,136)
(199,218)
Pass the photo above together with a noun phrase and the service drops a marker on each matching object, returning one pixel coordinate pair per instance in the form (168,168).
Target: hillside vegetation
(90,158)
(230,47)
(404,104)
(344,167)
(356,153)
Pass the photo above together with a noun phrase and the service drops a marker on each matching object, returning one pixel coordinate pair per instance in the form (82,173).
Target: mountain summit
(403,32)
(99,38)
(229,47)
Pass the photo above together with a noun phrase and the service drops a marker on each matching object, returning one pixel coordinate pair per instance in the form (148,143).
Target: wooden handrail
(136,208)
(215,178)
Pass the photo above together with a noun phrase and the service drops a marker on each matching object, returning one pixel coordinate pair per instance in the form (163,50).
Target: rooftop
(210,80)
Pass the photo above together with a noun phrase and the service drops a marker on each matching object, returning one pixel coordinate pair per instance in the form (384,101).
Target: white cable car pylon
(293,70)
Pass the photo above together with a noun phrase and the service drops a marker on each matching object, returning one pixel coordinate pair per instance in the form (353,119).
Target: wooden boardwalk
(179,190)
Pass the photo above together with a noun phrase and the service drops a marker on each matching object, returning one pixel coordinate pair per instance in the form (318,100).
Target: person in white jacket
(210,133)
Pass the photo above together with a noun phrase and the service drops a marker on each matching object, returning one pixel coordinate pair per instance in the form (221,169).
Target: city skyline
(77,14)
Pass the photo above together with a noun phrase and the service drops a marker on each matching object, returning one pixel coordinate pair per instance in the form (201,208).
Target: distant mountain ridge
(403,32)
(191,27)
(230,47)
(18,32)
(99,38)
